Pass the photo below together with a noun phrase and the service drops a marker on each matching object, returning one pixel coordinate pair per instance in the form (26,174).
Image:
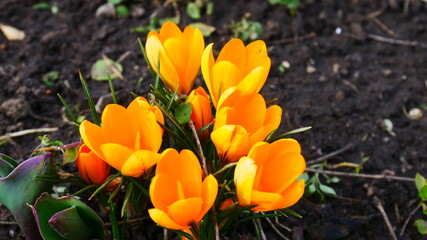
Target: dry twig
(380,207)
(408,219)
(329,155)
(294,39)
(26,132)
(361,175)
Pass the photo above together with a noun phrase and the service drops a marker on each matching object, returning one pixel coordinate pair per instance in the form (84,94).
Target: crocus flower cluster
(233,118)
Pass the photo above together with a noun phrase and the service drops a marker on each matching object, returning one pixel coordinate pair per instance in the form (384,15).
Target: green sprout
(421,184)
(194,9)
(247,30)
(291,5)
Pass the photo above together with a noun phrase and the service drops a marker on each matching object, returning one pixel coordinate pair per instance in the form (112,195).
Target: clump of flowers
(194,162)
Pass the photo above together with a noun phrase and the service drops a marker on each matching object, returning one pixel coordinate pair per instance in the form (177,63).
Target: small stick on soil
(374,14)
(26,132)
(8,223)
(111,66)
(395,41)
(329,155)
(383,27)
(408,219)
(261,230)
(294,39)
(380,207)
(361,175)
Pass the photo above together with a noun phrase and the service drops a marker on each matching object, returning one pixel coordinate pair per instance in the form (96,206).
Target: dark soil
(343,81)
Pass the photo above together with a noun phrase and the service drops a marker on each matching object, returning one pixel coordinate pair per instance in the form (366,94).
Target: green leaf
(206,30)
(49,78)
(19,189)
(101,69)
(423,193)
(115,2)
(7,165)
(41,5)
(183,112)
(122,11)
(66,218)
(326,189)
(193,11)
(70,155)
(421,226)
(54,9)
(420,181)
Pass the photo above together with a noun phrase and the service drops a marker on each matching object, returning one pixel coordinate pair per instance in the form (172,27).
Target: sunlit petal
(162,219)
(185,211)
(244,177)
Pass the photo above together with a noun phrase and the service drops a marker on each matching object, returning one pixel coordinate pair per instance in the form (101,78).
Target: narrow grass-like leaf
(139,186)
(68,109)
(109,179)
(298,130)
(110,84)
(126,199)
(114,225)
(89,100)
(181,234)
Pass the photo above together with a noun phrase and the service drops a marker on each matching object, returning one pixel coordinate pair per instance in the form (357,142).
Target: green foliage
(291,5)
(421,185)
(247,30)
(195,9)
(103,68)
(50,78)
(20,188)
(66,218)
(45,6)
(153,25)
(314,185)
(206,30)
(183,112)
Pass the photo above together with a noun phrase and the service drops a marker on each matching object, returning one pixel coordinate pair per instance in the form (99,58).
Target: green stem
(114,225)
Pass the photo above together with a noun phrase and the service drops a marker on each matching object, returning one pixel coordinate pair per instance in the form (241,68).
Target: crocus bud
(92,168)
(201,110)
(177,54)
(267,177)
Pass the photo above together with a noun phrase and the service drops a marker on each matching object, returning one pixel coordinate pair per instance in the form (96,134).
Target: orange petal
(209,192)
(231,142)
(163,191)
(117,126)
(169,30)
(253,81)
(178,53)
(266,201)
(162,219)
(244,177)
(225,74)
(92,136)
(183,167)
(139,162)
(292,194)
(115,154)
(185,211)
(235,52)
(207,64)
(195,39)
(273,118)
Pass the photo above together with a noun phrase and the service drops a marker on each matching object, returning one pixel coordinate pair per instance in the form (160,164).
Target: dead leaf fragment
(11,33)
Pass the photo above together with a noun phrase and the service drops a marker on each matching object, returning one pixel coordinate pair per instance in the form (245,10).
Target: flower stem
(199,146)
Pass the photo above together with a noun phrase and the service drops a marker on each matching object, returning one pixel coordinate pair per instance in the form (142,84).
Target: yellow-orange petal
(183,167)
(139,162)
(225,74)
(185,211)
(209,192)
(115,154)
(235,52)
(273,117)
(163,191)
(178,59)
(92,136)
(194,38)
(117,126)
(169,30)
(207,63)
(231,142)
(266,201)
(253,81)
(292,194)
(244,177)
(162,219)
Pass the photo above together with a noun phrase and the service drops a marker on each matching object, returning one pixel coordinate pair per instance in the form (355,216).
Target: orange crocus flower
(266,177)
(236,66)
(178,193)
(92,168)
(201,110)
(179,52)
(241,121)
(129,138)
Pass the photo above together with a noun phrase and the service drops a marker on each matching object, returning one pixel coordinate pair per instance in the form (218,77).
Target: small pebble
(106,10)
(335,68)
(310,69)
(15,108)
(415,114)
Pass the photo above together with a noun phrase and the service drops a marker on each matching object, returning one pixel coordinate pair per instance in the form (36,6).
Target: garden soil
(353,71)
